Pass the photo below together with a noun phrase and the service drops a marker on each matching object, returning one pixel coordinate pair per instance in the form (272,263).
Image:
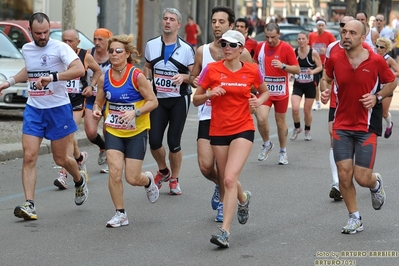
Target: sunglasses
(230,44)
(379,46)
(378,19)
(117,50)
(341,24)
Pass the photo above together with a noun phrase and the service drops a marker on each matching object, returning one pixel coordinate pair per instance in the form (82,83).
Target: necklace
(120,70)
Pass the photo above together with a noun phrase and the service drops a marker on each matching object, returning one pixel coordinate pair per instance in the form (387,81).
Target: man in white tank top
(371,35)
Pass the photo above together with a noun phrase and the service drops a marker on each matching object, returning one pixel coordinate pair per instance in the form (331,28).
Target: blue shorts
(52,123)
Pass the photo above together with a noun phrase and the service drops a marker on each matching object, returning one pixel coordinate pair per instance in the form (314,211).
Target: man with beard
(48,112)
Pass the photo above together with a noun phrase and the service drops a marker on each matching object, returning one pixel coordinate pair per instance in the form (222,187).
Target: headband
(103,32)
(321,22)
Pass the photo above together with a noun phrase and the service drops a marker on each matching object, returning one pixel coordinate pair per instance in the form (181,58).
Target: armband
(54,76)
(11,80)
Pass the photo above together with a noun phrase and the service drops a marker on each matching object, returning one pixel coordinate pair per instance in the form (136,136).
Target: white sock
(333,166)
(266,143)
(388,119)
(357,214)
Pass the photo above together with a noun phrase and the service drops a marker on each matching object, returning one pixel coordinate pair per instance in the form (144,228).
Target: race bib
(164,83)
(277,85)
(320,48)
(33,76)
(303,77)
(115,110)
(73,86)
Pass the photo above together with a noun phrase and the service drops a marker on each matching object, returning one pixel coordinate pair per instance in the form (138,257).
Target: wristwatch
(379,98)
(283,66)
(138,113)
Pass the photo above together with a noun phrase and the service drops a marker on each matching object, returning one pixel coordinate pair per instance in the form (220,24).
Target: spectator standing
(191,32)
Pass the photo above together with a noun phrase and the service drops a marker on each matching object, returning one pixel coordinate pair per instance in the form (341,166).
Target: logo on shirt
(223,76)
(366,70)
(43,60)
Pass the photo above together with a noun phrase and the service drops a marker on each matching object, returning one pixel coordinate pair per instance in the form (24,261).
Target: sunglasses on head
(379,46)
(341,24)
(117,50)
(378,19)
(230,44)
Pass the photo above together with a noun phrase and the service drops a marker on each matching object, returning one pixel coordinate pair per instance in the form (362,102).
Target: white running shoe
(61,182)
(354,225)
(82,163)
(102,158)
(317,106)
(264,152)
(119,219)
(152,191)
(283,158)
(105,169)
(295,133)
(379,197)
(82,192)
(308,137)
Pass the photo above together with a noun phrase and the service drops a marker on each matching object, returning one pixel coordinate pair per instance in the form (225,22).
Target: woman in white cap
(232,128)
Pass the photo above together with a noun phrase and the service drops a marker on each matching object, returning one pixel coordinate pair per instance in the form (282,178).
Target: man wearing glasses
(385,32)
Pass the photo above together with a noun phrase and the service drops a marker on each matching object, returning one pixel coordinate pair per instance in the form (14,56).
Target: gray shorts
(132,147)
(361,145)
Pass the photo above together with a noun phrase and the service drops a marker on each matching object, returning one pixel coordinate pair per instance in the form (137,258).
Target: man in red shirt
(276,60)
(319,40)
(357,73)
(191,32)
(242,25)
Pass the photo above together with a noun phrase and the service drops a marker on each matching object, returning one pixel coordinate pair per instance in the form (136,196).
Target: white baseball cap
(233,36)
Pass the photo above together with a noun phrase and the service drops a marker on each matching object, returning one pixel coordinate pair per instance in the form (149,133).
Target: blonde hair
(127,41)
(387,42)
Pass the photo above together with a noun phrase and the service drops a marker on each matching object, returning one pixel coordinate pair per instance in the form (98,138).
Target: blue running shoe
(221,240)
(219,215)
(215,198)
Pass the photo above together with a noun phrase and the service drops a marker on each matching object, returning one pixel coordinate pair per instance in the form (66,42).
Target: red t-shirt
(317,42)
(230,112)
(276,79)
(351,85)
(251,44)
(191,30)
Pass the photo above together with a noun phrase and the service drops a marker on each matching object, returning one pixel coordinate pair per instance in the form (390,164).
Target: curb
(14,150)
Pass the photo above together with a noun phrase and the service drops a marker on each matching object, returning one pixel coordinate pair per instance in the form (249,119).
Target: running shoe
(82,192)
(243,210)
(152,191)
(119,219)
(61,182)
(335,193)
(26,211)
(221,240)
(295,133)
(283,158)
(307,135)
(378,198)
(317,106)
(102,158)
(82,163)
(160,178)
(105,169)
(174,187)
(388,131)
(354,225)
(264,152)
(219,215)
(215,198)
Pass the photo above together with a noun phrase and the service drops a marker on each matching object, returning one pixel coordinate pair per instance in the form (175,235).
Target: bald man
(358,117)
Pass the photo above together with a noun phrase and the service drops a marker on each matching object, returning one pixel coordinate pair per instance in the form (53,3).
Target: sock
(121,210)
(377,187)
(357,214)
(164,171)
(297,125)
(307,127)
(79,183)
(98,141)
(388,119)
(149,183)
(283,149)
(266,143)
(80,158)
(31,202)
(333,167)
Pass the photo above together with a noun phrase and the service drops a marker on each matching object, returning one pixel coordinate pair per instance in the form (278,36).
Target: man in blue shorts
(48,112)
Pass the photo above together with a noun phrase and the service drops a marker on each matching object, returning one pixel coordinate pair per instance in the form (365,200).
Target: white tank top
(204,110)
(369,40)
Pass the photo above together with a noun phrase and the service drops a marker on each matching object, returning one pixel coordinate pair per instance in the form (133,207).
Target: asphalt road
(292,222)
